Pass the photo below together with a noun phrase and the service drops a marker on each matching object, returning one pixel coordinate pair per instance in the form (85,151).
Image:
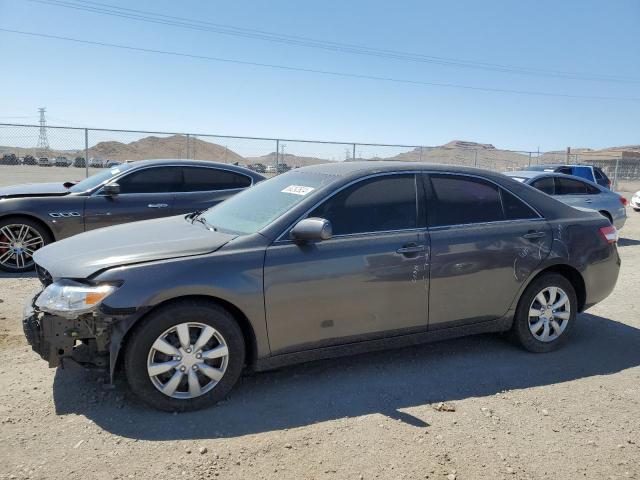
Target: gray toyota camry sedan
(321,261)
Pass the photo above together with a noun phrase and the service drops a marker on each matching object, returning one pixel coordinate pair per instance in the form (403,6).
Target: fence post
(277,154)
(86,152)
(354,152)
(475,158)
(615,174)
(529,158)
(187,157)
(420,154)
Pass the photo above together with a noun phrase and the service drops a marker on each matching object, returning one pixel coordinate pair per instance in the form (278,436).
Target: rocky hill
(456,152)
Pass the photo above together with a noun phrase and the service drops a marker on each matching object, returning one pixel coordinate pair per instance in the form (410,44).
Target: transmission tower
(43,141)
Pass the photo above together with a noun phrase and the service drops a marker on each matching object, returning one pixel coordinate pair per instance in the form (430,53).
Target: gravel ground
(506,413)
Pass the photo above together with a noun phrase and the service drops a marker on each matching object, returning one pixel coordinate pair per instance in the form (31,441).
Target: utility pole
(43,141)
(568,160)
(284,160)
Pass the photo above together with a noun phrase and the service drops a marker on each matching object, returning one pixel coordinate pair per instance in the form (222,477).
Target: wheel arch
(243,322)
(606,214)
(572,275)
(31,217)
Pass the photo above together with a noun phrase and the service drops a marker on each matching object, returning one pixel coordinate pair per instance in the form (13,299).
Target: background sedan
(577,192)
(34,215)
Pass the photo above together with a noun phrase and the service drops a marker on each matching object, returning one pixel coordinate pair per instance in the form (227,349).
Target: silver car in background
(577,192)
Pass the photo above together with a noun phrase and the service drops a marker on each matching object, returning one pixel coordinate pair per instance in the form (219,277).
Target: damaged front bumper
(84,339)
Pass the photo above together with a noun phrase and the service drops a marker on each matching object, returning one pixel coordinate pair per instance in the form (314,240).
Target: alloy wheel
(549,314)
(18,242)
(187,360)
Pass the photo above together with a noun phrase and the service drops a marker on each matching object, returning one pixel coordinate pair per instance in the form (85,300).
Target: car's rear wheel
(19,239)
(546,313)
(185,356)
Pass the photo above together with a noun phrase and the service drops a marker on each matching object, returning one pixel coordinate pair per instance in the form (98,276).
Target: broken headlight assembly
(68,298)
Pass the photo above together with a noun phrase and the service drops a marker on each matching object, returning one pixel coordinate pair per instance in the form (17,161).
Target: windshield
(255,208)
(98,178)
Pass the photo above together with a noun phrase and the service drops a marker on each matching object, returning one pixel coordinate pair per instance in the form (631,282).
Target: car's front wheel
(20,237)
(185,356)
(546,313)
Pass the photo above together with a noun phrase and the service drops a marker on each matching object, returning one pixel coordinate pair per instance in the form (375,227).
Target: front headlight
(68,297)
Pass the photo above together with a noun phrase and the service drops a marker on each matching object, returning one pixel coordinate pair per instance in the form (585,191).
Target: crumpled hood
(34,190)
(82,255)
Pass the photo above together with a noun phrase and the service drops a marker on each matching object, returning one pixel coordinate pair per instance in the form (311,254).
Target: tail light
(623,200)
(610,234)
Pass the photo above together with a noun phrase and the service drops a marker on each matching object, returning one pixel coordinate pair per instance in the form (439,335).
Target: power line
(322,72)
(293,40)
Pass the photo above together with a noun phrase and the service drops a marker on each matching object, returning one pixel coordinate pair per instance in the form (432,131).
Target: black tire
(31,223)
(152,327)
(520,329)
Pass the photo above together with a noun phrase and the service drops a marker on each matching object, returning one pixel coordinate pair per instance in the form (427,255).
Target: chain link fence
(70,153)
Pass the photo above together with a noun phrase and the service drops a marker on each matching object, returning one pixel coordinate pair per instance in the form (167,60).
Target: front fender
(233,276)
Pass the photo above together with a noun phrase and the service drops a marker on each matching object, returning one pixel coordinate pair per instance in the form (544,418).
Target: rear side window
(514,208)
(546,185)
(200,179)
(569,186)
(592,189)
(583,172)
(374,205)
(461,200)
(151,180)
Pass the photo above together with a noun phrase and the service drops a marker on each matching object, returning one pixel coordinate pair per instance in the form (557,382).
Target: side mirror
(311,229)
(111,189)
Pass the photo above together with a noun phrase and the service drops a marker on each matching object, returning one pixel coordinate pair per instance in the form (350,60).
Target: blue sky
(103,87)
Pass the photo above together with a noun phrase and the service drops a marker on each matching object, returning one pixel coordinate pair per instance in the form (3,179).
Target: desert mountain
(457,152)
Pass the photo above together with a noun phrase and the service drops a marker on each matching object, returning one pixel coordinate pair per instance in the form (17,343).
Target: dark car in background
(34,215)
(321,261)
(577,192)
(589,172)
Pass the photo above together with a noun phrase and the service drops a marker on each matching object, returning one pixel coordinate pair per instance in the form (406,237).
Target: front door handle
(411,248)
(157,205)
(533,234)
(588,200)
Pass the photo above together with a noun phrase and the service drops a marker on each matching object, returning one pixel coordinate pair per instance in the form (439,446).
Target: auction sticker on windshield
(298,189)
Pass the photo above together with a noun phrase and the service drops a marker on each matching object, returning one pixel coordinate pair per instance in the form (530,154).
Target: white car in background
(635,201)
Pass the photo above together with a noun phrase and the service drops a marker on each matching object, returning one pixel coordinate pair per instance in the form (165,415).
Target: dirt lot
(574,413)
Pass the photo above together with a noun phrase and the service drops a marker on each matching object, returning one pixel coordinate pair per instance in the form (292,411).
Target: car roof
(359,168)
(193,163)
(533,174)
(557,165)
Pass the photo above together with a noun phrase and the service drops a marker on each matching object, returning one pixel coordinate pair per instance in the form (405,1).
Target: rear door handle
(588,200)
(533,234)
(411,249)
(158,205)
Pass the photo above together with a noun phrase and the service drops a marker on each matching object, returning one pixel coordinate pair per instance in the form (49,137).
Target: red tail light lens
(610,234)
(623,200)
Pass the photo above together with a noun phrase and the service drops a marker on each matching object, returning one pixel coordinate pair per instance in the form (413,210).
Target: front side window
(546,185)
(201,179)
(151,180)
(569,186)
(375,205)
(459,200)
